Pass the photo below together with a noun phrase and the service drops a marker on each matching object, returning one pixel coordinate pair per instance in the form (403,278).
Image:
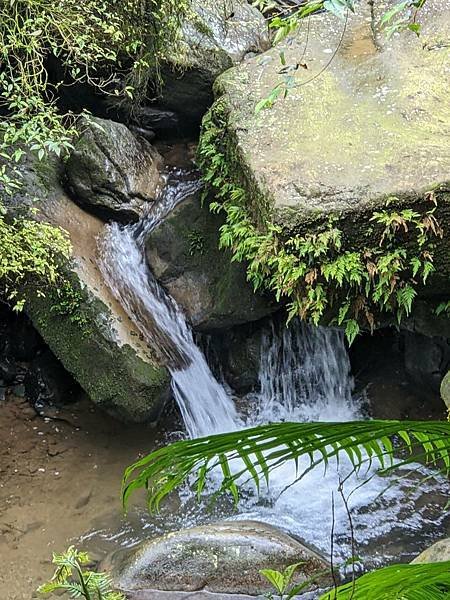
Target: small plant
(71,578)
(282,582)
(196,243)
(30,251)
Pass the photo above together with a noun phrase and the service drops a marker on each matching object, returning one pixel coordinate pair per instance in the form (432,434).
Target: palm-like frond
(260,450)
(402,582)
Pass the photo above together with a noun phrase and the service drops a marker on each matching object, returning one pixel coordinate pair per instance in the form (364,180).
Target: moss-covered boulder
(84,326)
(215,36)
(112,172)
(362,136)
(183,252)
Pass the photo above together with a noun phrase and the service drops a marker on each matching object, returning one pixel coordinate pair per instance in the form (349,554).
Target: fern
(70,578)
(262,449)
(404,582)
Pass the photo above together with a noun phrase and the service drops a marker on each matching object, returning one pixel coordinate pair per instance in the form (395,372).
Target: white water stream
(304,376)
(205,406)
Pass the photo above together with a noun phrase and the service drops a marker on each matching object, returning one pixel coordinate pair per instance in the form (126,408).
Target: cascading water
(304,376)
(205,406)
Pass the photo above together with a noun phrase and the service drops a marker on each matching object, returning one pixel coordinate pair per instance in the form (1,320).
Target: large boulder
(112,172)
(215,36)
(183,253)
(224,557)
(89,332)
(368,121)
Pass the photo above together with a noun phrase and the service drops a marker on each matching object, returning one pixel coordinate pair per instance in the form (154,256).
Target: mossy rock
(215,36)
(91,335)
(368,128)
(183,252)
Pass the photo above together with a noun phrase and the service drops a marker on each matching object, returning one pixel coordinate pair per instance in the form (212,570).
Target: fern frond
(268,446)
(405,582)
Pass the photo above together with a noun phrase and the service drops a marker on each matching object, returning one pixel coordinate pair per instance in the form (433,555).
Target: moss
(114,376)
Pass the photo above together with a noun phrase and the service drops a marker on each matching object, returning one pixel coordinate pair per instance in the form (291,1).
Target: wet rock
(445,390)
(349,140)
(94,340)
(218,36)
(224,557)
(438,552)
(183,252)
(112,172)
(157,119)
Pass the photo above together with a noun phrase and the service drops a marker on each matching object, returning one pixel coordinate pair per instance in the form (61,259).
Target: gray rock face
(184,256)
(352,133)
(438,552)
(112,172)
(217,36)
(225,557)
(95,341)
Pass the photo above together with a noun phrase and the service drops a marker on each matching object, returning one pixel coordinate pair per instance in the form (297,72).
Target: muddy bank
(57,477)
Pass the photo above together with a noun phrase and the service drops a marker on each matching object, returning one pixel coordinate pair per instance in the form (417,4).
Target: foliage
(282,582)
(262,449)
(114,46)
(322,272)
(284,18)
(29,250)
(196,242)
(71,577)
(405,582)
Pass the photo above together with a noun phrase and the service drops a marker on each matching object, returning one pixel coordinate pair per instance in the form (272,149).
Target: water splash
(305,376)
(205,406)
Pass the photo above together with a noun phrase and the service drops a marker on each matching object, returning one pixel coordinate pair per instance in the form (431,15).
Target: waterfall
(305,375)
(205,406)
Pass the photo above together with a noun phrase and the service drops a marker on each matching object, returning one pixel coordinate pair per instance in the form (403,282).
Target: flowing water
(205,406)
(304,376)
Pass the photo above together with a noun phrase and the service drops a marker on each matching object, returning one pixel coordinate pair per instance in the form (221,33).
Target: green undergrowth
(319,273)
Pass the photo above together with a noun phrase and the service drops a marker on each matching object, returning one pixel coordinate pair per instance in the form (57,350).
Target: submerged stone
(367,121)
(225,557)
(112,172)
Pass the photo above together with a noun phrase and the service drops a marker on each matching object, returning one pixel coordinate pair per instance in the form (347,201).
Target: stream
(304,375)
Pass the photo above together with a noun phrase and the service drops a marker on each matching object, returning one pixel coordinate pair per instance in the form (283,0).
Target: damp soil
(58,477)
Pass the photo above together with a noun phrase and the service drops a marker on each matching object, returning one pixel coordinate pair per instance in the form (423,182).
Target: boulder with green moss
(183,252)
(215,36)
(364,130)
(80,320)
(112,172)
